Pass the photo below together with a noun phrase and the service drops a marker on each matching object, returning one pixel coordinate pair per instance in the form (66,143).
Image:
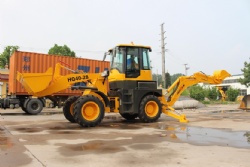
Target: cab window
(145,59)
(132,59)
(132,62)
(117,59)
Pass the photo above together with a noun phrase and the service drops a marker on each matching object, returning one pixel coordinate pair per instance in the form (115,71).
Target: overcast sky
(205,34)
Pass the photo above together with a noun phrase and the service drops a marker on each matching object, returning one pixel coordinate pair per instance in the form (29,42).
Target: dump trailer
(127,88)
(30,62)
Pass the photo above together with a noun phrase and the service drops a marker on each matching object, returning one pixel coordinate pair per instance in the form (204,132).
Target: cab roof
(133,45)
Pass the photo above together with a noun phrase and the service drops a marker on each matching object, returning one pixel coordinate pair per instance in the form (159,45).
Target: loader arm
(184,82)
(55,82)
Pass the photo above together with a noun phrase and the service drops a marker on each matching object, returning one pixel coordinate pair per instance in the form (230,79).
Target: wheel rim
(90,111)
(34,106)
(151,109)
(71,109)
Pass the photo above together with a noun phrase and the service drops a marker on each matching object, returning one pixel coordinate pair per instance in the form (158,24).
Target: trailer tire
(150,109)
(88,111)
(68,108)
(34,106)
(24,109)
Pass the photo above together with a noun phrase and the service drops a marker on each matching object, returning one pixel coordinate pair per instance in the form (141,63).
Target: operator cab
(130,80)
(130,59)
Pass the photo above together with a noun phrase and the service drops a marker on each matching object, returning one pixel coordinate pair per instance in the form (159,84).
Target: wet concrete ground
(217,135)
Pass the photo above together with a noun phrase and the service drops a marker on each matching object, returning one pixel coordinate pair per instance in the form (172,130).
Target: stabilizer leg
(172,113)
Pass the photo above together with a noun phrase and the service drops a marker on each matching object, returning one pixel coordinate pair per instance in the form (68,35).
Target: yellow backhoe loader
(127,88)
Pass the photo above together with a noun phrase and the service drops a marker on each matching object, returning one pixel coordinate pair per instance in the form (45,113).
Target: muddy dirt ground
(217,135)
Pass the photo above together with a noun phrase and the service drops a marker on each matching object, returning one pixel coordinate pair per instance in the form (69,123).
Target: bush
(197,92)
(232,94)
(185,93)
(212,93)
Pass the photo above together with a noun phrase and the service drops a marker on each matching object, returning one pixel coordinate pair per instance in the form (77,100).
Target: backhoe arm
(184,82)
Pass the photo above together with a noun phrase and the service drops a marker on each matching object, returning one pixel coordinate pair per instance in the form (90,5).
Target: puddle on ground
(5,141)
(95,146)
(29,130)
(224,111)
(209,136)
(25,114)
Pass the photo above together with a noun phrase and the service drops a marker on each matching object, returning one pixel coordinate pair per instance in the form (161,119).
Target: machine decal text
(78,78)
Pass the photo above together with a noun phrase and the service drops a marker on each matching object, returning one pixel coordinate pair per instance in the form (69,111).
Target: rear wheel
(68,108)
(34,106)
(88,111)
(150,109)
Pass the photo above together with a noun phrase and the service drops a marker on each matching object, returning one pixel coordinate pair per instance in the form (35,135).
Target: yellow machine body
(127,88)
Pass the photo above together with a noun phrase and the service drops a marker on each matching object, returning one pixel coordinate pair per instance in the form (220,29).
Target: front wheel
(150,109)
(88,111)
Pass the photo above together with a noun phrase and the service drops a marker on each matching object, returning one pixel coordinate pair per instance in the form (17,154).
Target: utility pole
(186,68)
(163,55)
(157,78)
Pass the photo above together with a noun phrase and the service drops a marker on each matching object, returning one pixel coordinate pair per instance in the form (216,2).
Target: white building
(233,82)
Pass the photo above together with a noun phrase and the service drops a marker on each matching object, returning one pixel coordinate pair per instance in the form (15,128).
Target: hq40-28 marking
(78,78)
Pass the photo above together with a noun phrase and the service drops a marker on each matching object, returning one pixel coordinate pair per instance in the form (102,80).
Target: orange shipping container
(29,62)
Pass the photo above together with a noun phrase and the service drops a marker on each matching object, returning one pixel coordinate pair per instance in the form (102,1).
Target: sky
(207,35)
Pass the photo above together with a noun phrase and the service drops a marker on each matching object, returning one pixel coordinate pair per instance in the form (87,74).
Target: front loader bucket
(220,75)
(35,82)
(245,103)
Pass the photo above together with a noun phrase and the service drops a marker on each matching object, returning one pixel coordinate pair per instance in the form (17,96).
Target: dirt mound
(187,102)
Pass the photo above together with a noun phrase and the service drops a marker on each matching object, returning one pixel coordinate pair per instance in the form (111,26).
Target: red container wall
(28,62)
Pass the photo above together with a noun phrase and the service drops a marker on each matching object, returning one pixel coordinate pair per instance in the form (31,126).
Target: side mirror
(105,73)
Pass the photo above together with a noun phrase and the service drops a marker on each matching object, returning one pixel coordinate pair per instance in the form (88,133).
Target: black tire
(34,106)
(128,116)
(68,108)
(24,109)
(88,111)
(150,109)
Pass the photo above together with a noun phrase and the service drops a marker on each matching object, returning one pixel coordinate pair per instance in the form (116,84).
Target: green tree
(175,77)
(167,80)
(212,93)
(158,78)
(232,94)
(5,56)
(61,50)
(197,92)
(246,73)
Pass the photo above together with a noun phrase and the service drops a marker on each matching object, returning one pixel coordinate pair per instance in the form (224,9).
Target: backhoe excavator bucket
(220,75)
(35,82)
(245,103)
